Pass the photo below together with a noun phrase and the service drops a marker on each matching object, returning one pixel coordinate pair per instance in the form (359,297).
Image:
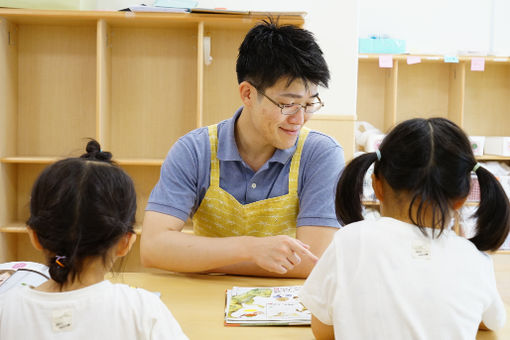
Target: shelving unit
(136,82)
(478,101)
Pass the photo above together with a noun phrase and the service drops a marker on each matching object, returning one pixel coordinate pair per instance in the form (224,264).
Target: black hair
(431,160)
(270,52)
(80,208)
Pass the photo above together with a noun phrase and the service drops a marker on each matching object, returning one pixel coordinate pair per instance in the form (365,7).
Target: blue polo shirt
(185,173)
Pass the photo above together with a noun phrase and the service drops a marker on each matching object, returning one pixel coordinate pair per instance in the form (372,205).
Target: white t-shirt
(101,311)
(384,279)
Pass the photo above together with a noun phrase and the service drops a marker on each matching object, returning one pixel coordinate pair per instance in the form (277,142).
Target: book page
(265,306)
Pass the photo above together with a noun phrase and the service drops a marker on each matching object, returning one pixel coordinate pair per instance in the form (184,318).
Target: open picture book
(265,306)
(13,274)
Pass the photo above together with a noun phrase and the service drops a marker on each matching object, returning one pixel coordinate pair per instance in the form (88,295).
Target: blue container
(381,45)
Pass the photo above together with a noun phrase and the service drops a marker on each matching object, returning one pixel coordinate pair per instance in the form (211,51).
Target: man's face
(275,128)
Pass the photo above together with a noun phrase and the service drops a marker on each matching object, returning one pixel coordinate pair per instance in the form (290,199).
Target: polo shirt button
(253,185)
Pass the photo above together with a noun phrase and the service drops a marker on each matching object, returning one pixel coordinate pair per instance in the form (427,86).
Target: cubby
(136,82)
(478,101)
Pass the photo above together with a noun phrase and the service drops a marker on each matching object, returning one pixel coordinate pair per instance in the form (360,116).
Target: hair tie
(378,154)
(477,165)
(58,258)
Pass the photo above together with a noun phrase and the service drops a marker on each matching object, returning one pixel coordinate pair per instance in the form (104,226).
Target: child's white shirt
(384,279)
(100,311)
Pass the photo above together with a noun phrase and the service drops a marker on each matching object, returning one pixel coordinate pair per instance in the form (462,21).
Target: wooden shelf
(492,158)
(21,228)
(370,203)
(70,17)
(16,228)
(432,58)
(49,160)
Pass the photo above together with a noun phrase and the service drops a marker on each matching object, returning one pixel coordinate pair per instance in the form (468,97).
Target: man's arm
(317,238)
(164,246)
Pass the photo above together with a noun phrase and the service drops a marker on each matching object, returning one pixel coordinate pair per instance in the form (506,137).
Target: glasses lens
(291,109)
(314,107)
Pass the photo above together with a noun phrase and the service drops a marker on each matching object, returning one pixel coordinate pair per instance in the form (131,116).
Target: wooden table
(198,301)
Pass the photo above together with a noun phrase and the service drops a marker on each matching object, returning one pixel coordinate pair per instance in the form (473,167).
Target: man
(259,186)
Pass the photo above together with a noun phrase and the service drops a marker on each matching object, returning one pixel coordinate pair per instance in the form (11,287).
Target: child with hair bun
(82,212)
(406,275)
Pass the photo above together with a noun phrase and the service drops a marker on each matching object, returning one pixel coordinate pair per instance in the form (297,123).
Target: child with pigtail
(407,275)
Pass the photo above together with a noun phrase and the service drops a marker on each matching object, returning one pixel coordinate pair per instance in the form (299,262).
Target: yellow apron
(221,215)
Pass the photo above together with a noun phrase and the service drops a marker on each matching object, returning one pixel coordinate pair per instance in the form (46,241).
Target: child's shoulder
(134,293)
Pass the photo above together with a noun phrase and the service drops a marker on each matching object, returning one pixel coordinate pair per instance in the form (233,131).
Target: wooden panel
(8,87)
(456,93)
(371,94)
(103,85)
(153,89)
(8,187)
(26,176)
(57,68)
(423,90)
(25,251)
(221,94)
(390,96)
(339,127)
(200,74)
(487,103)
(145,178)
(8,131)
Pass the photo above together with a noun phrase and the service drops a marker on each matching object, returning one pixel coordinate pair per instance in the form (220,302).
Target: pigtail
(493,213)
(349,189)
(59,268)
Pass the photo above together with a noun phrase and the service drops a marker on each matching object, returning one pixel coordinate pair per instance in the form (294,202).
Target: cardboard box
(373,142)
(499,146)
(381,45)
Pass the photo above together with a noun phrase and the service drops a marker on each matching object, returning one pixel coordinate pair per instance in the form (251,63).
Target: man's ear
(125,244)
(377,185)
(34,239)
(247,93)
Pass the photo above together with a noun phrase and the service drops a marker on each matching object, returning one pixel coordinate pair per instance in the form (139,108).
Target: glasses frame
(284,106)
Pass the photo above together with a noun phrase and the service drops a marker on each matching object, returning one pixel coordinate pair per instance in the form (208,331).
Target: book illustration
(265,306)
(22,273)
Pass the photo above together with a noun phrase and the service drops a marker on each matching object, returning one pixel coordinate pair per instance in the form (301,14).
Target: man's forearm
(182,252)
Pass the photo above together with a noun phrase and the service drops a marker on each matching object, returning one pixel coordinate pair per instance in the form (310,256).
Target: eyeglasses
(290,109)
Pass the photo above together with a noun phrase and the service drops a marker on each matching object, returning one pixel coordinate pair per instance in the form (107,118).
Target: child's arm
(321,331)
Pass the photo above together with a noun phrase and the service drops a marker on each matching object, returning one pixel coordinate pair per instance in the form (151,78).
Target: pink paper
(412,59)
(385,61)
(477,64)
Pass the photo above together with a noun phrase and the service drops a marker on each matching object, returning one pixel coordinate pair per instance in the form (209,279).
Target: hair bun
(94,152)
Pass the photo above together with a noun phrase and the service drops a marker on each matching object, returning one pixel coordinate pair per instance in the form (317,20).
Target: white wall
(440,26)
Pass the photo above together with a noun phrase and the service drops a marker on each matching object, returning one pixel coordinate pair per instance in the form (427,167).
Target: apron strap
(296,160)
(215,164)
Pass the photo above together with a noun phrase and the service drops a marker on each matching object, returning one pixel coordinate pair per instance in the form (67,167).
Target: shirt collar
(227,147)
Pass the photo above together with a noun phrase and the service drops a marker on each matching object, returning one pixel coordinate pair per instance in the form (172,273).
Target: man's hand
(279,254)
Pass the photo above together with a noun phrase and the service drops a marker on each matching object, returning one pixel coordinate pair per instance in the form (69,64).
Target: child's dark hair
(431,160)
(270,52)
(80,207)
